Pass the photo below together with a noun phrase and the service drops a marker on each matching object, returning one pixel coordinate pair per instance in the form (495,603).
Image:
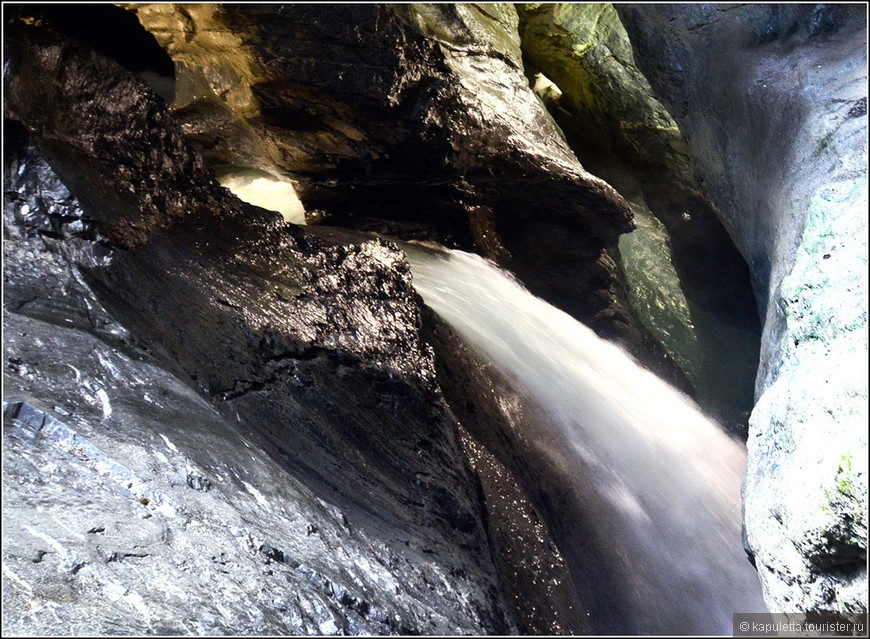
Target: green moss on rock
(584,49)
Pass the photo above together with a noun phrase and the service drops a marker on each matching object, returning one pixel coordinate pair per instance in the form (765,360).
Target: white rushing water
(646,504)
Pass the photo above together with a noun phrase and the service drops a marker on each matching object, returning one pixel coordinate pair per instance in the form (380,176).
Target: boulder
(418,114)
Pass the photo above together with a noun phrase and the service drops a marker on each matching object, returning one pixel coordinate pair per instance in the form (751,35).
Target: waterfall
(640,489)
(719,356)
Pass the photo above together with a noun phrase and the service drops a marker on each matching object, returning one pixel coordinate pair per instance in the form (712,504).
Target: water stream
(641,490)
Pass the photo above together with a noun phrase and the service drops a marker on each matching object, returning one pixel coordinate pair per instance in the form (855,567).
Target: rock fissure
(796,70)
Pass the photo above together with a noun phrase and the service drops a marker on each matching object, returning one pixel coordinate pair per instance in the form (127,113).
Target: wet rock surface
(209,409)
(132,506)
(579,59)
(772,100)
(519,504)
(418,114)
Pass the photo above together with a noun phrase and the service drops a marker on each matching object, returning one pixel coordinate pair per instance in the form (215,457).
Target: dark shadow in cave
(114,32)
(713,275)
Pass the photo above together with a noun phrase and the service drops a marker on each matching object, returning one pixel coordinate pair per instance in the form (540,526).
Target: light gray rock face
(773,102)
(131,506)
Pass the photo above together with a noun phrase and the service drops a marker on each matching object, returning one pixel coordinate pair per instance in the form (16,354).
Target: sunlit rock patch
(264,190)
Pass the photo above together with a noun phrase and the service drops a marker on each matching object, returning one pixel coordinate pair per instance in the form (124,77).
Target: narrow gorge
(448,319)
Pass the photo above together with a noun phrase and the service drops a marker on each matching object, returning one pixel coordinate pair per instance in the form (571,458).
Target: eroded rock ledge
(418,114)
(304,350)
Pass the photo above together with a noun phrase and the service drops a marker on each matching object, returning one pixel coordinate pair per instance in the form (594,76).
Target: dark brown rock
(305,341)
(419,115)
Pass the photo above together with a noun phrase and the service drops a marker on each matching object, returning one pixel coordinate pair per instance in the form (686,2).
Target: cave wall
(584,50)
(416,121)
(615,123)
(303,343)
(772,101)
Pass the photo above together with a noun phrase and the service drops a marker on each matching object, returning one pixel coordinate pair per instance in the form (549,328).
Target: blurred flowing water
(720,357)
(640,489)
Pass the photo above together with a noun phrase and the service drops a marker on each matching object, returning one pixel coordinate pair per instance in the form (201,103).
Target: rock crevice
(766,96)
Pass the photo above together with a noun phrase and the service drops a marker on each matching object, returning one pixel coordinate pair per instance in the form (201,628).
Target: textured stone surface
(623,134)
(772,100)
(584,49)
(418,114)
(519,506)
(138,508)
(304,432)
